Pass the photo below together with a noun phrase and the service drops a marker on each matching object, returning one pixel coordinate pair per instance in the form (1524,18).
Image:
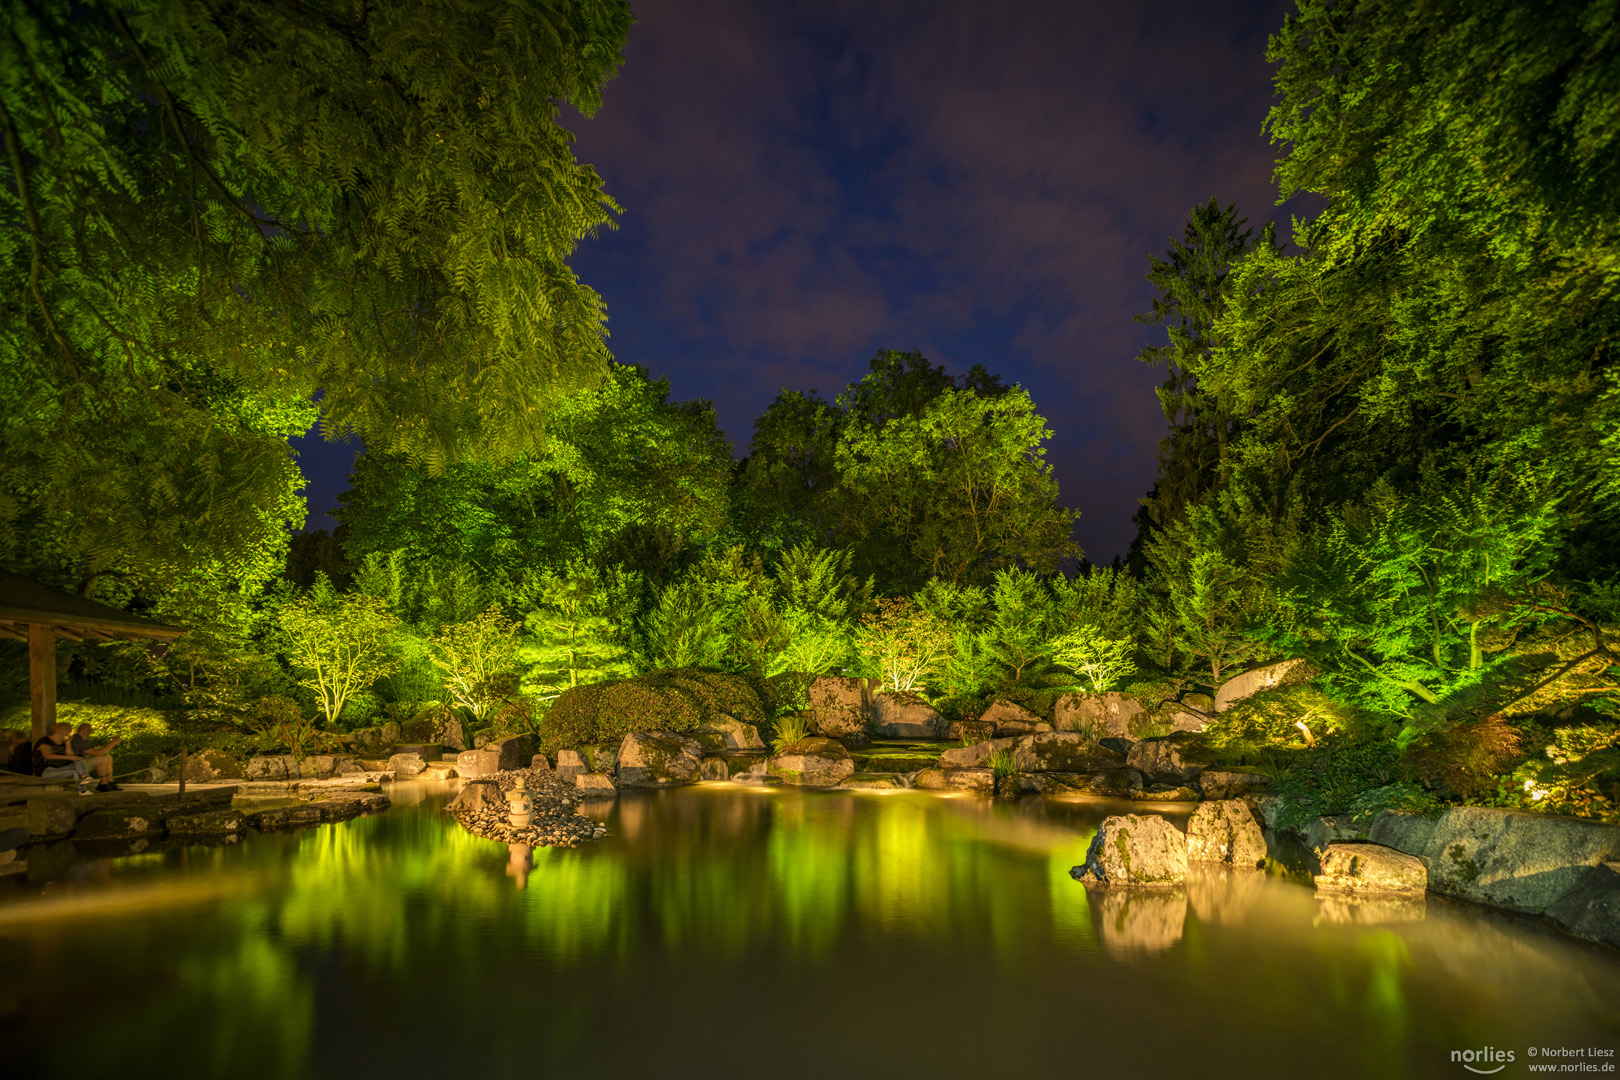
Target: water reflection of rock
(1138,922)
(1370,910)
(1223,895)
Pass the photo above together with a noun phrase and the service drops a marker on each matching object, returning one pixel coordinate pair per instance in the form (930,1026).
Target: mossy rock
(677,700)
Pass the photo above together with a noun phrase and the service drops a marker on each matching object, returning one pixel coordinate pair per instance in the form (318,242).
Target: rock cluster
(482,810)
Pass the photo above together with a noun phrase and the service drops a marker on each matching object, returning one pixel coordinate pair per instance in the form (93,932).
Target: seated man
(55,760)
(99,757)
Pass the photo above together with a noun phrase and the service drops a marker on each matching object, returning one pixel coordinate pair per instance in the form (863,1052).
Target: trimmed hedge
(677,700)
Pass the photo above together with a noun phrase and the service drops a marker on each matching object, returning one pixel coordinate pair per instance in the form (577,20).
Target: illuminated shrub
(676,700)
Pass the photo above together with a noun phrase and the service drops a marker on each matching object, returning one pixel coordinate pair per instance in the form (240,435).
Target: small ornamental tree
(337,643)
(477,658)
(1102,663)
(903,642)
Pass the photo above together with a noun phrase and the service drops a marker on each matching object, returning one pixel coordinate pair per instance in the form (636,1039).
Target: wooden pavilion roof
(24,603)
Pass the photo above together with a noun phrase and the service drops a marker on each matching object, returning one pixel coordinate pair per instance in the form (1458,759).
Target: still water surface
(721,931)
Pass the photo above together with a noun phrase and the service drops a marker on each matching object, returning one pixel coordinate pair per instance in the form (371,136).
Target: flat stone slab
(318,812)
(214,823)
(1370,868)
(59,814)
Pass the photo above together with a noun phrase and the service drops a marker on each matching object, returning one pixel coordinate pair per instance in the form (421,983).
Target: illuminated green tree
(337,643)
(477,659)
(570,640)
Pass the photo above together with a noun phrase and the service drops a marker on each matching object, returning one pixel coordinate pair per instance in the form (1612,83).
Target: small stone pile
(482,810)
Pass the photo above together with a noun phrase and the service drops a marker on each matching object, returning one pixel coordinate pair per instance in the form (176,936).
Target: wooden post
(42,677)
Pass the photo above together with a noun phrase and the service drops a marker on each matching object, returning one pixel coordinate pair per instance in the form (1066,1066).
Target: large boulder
(475,763)
(1225,831)
(1403,831)
(1187,720)
(1250,683)
(659,759)
(1011,718)
(1515,860)
(906,716)
(444,728)
(1098,715)
(602,759)
(1170,759)
(1134,849)
(976,781)
(813,762)
(406,766)
(1591,910)
(1121,783)
(728,734)
(595,785)
(970,731)
(569,763)
(1370,868)
(514,751)
(1318,833)
(976,755)
(208,766)
(1063,751)
(479,795)
(324,766)
(375,741)
(838,706)
(272,767)
(1228,782)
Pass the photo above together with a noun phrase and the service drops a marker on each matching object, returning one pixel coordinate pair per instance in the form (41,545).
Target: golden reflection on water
(885,907)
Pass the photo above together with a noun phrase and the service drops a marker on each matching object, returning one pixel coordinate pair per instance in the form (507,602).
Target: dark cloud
(807,183)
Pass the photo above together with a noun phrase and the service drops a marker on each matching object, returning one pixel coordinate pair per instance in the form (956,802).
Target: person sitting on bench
(99,757)
(55,760)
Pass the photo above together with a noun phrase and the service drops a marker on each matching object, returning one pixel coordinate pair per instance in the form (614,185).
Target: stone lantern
(520,805)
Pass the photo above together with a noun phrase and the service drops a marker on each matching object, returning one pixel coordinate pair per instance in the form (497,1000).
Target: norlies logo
(1485,1056)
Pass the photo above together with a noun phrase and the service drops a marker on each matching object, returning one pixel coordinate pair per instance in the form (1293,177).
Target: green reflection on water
(283,954)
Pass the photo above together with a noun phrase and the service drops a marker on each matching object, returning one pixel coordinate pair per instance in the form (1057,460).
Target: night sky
(805,184)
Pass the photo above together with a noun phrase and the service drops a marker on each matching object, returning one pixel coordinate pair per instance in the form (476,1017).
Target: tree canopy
(217,215)
(920,473)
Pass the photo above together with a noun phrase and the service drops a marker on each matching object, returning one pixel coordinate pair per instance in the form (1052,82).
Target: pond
(726,931)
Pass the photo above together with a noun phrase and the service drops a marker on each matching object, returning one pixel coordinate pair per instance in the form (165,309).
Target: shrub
(1327,778)
(675,700)
(1464,761)
(1273,717)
